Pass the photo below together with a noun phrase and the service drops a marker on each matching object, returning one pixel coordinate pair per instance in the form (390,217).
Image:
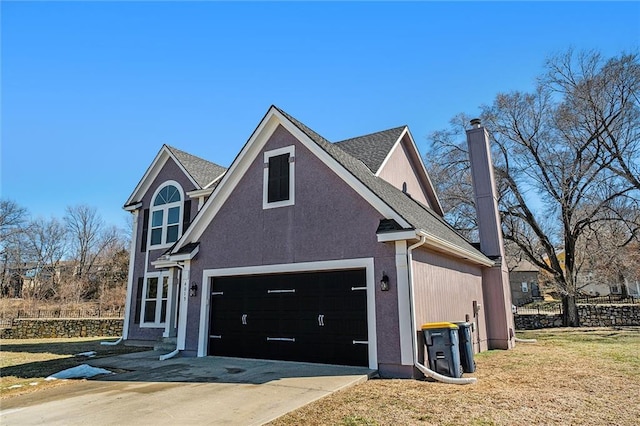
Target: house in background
(524,282)
(308,250)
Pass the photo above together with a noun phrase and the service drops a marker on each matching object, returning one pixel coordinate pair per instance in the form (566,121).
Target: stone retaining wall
(608,315)
(588,315)
(30,328)
(537,321)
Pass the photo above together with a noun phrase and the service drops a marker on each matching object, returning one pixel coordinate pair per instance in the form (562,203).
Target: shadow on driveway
(145,367)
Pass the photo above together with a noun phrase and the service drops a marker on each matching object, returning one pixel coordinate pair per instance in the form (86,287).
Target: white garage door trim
(366,263)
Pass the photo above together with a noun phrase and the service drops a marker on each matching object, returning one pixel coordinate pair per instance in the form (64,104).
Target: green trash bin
(465,344)
(442,340)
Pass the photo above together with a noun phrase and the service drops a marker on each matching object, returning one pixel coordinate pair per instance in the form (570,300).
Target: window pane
(156,236)
(172,194)
(163,311)
(172,234)
(152,288)
(161,198)
(150,311)
(165,287)
(174,215)
(156,218)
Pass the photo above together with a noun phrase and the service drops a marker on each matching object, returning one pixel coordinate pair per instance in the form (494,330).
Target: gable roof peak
(373,148)
(202,171)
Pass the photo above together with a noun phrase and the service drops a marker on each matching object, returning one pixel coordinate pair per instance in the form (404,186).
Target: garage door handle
(215,336)
(321,320)
(293,290)
(358,288)
(217,293)
(360,342)
(244,319)
(281,339)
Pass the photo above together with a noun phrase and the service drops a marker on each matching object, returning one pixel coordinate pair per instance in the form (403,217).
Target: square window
(156,218)
(172,234)
(174,215)
(152,288)
(150,311)
(156,236)
(525,287)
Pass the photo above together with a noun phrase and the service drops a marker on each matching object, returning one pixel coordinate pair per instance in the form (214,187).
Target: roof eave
(447,247)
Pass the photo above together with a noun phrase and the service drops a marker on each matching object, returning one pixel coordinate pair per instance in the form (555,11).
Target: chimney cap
(475,123)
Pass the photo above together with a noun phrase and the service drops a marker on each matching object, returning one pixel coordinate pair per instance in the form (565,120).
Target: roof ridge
(173,149)
(370,134)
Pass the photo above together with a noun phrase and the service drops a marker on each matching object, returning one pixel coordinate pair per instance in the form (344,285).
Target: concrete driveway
(211,390)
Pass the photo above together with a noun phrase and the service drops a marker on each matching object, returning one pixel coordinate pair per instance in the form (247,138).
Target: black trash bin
(442,339)
(465,344)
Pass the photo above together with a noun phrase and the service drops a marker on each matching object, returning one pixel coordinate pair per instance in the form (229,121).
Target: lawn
(24,364)
(569,377)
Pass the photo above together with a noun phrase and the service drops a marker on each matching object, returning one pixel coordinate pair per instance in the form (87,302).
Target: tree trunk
(570,311)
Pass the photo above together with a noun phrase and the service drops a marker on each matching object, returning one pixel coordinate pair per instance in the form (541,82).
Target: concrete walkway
(211,390)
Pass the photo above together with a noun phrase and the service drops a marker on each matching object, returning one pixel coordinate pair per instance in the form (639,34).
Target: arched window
(166,216)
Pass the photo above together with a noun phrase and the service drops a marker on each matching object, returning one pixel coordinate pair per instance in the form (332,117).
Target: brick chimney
(495,280)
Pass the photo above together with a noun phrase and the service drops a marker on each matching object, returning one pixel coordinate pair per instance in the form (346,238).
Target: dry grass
(570,377)
(25,363)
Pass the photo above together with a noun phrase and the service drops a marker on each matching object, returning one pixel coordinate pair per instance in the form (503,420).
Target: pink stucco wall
(170,171)
(329,221)
(400,169)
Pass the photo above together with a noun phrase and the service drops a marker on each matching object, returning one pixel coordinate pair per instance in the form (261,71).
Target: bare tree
(89,236)
(556,178)
(12,222)
(45,247)
(606,95)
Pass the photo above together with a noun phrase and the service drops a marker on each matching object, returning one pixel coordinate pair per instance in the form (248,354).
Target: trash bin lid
(432,325)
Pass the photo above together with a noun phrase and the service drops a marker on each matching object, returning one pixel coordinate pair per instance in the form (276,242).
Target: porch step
(166,344)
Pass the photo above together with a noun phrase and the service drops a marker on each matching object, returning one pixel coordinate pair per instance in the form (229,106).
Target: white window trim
(165,215)
(159,276)
(291,150)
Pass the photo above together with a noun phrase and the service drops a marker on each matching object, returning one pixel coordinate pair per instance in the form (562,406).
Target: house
(308,250)
(524,282)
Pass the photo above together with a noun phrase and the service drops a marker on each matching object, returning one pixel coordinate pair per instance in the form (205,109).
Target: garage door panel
(313,317)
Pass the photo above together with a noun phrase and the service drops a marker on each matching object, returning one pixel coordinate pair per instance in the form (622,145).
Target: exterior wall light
(193,290)
(384,282)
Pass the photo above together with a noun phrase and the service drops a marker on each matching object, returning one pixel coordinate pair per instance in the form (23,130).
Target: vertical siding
(445,289)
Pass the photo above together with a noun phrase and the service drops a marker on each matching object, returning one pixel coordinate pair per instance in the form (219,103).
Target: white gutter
(435,242)
(425,370)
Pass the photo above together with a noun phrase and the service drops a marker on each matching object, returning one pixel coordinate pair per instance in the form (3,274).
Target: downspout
(425,370)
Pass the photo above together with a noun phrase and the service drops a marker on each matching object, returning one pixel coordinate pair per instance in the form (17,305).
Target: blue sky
(91,90)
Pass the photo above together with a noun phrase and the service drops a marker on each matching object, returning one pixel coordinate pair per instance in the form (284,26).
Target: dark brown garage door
(313,317)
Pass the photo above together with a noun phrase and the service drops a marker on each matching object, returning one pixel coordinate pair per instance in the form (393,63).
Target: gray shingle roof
(202,171)
(415,213)
(372,149)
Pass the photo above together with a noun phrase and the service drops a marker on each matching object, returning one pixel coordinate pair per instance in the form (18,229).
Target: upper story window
(279,177)
(166,216)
